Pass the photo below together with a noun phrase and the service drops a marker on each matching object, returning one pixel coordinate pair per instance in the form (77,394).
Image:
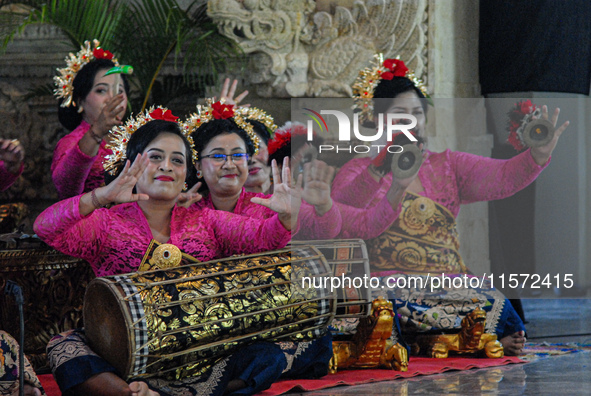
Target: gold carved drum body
(349,263)
(176,322)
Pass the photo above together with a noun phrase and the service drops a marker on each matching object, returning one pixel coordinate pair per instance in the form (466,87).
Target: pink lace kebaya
(74,172)
(114,240)
(360,223)
(450,178)
(8,178)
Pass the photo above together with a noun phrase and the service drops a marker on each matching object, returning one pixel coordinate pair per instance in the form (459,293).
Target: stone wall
(461,123)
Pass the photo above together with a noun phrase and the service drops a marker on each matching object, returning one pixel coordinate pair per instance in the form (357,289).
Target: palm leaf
(80,20)
(207,53)
(143,34)
(158,29)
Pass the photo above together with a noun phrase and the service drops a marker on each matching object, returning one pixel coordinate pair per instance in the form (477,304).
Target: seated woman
(424,238)
(88,109)
(151,160)
(224,141)
(290,142)
(12,158)
(9,366)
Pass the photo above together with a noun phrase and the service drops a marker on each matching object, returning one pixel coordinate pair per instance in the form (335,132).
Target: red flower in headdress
(221,111)
(280,139)
(526,106)
(517,116)
(397,69)
(100,53)
(284,135)
(514,141)
(167,115)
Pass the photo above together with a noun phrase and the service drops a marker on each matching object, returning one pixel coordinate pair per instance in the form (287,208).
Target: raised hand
(188,198)
(12,153)
(317,181)
(228,92)
(119,190)
(286,198)
(543,153)
(111,115)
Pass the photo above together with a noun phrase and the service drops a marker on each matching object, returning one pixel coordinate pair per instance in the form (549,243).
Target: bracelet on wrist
(95,201)
(96,137)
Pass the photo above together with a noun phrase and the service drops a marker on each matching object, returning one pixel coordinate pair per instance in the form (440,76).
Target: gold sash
(422,240)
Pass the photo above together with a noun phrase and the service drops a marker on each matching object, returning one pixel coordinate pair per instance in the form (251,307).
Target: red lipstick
(165,178)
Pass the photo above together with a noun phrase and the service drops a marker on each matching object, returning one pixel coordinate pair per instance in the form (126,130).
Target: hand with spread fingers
(189,197)
(286,198)
(542,154)
(12,154)
(120,190)
(317,180)
(228,92)
(111,115)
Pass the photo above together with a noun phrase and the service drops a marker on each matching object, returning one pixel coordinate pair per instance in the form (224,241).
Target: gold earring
(185,186)
(199,174)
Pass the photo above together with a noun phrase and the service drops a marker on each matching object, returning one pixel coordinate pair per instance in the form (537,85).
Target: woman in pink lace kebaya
(12,156)
(88,108)
(423,240)
(114,241)
(223,149)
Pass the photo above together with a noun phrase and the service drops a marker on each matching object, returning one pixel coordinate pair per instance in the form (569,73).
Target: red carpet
(49,385)
(417,366)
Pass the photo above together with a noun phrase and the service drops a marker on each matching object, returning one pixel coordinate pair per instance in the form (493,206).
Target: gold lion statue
(470,340)
(371,346)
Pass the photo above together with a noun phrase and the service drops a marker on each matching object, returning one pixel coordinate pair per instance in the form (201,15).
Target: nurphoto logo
(395,123)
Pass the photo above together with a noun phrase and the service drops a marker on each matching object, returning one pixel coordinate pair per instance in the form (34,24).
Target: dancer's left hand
(287,196)
(543,153)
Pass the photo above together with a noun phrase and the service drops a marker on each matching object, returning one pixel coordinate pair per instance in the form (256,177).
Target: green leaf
(149,35)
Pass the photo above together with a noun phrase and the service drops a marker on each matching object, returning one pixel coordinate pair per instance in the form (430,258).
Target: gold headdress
(256,114)
(64,81)
(369,78)
(122,134)
(220,111)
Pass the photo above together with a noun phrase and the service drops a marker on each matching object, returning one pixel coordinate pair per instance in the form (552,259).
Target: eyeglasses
(237,158)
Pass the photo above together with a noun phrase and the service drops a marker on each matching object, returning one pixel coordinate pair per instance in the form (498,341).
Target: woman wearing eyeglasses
(225,142)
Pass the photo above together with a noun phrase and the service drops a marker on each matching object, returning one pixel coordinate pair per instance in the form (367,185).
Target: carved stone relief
(30,62)
(299,51)
(38,134)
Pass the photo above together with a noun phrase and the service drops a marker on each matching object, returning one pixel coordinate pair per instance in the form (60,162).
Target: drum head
(105,324)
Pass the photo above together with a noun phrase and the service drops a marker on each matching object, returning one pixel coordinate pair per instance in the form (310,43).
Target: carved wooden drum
(177,322)
(53,286)
(349,261)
